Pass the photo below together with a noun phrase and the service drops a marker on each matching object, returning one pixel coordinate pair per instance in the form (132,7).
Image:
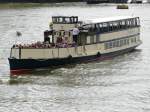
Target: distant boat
(122,6)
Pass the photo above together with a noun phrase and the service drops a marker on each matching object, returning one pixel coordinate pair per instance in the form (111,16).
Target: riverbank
(22,5)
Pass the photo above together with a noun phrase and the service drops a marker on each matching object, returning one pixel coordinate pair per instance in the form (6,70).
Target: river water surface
(121,84)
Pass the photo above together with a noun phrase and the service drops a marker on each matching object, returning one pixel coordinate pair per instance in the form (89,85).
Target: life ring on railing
(98,54)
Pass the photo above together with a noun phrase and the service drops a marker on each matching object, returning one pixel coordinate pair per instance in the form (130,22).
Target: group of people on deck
(63,41)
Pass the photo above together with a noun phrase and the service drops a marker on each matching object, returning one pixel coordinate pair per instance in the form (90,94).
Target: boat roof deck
(108,19)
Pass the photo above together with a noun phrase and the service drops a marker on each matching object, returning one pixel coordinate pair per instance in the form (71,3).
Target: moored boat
(97,39)
(122,6)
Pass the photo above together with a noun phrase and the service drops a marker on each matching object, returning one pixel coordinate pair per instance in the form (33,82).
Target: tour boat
(98,39)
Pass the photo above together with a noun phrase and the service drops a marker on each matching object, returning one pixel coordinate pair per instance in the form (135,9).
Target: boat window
(60,20)
(134,22)
(122,24)
(86,27)
(67,20)
(100,27)
(88,40)
(110,26)
(54,20)
(75,19)
(115,25)
(92,28)
(130,22)
(54,33)
(97,27)
(105,27)
(107,45)
(59,33)
(63,20)
(128,41)
(137,38)
(114,43)
(117,43)
(131,40)
(62,32)
(124,42)
(92,39)
(138,21)
(66,33)
(71,20)
(121,42)
(97,38)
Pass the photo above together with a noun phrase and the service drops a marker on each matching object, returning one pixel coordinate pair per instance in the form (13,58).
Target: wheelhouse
(61,27)
(64,19)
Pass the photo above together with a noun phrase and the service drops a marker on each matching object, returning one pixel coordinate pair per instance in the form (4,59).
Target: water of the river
(121,84)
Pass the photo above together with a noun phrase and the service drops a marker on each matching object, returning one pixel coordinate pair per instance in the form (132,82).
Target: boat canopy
(108,19)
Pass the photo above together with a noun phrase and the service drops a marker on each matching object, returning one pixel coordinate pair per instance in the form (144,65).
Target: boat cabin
(91,30)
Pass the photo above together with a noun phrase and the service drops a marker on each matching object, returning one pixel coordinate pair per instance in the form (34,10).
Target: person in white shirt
(75,33)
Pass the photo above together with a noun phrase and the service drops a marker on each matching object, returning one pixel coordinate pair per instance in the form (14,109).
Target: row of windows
(112,26)
(120,43)
(93,39)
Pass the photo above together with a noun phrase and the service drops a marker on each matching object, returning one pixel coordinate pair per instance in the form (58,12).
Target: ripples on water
(120,84)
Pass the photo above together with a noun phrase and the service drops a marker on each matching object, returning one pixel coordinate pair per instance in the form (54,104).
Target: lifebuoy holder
(98,54)
(69,57)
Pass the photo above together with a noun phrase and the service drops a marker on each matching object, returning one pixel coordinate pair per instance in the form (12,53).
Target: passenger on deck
(59,42)
(75,33)
(64,42)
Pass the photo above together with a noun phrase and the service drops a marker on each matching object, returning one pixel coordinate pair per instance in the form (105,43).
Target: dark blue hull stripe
(16,64)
